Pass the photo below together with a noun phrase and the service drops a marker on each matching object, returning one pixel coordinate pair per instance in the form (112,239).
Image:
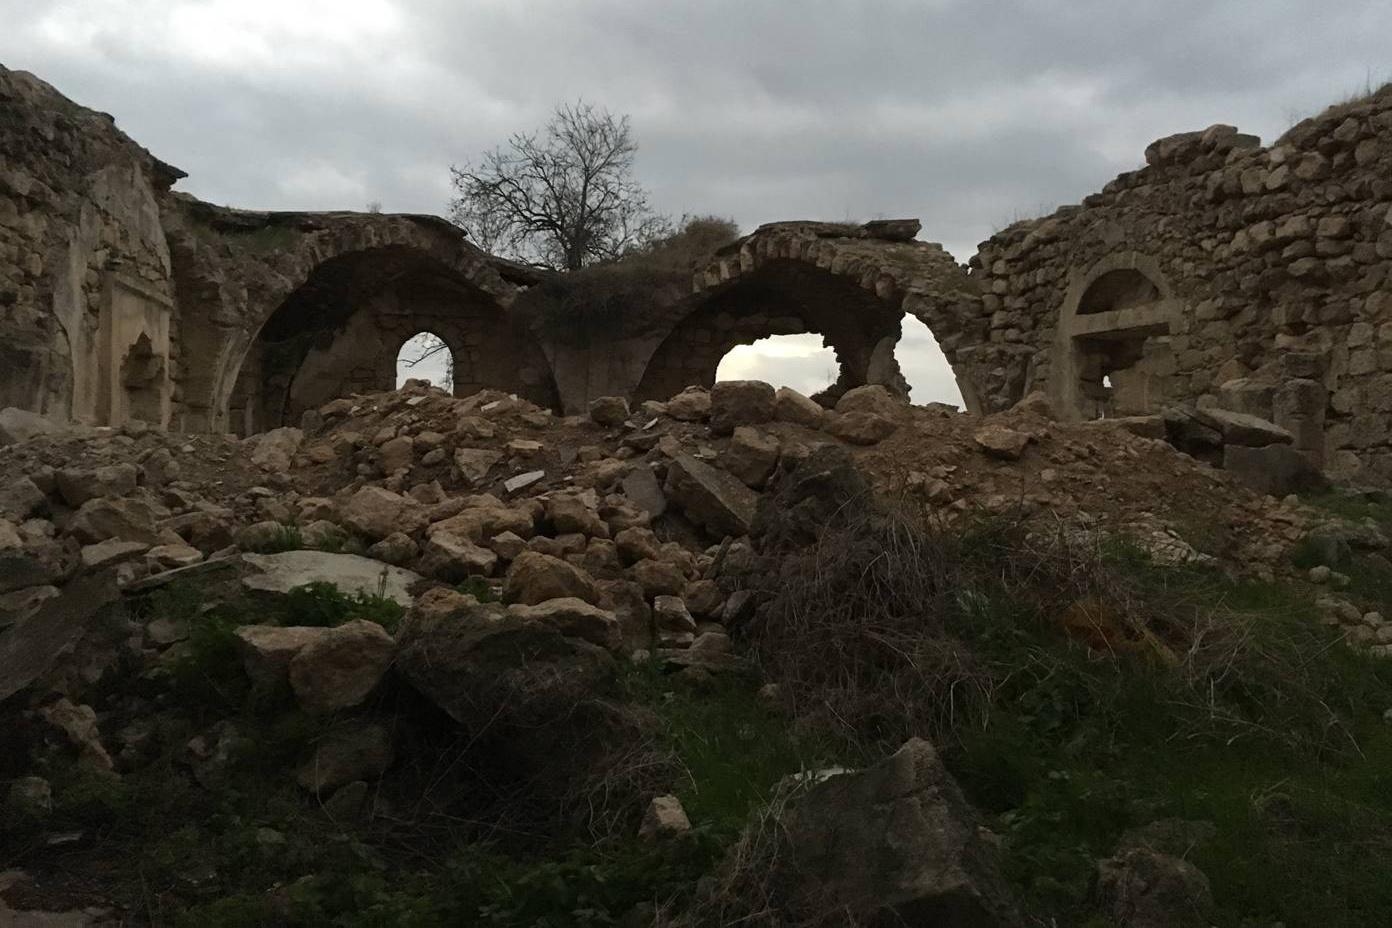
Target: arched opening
(925,367)
(342,331)
(426,356)
(803,362)
(780,298)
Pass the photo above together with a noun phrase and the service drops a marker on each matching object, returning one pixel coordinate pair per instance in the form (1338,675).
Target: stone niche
(1114,355)
(133,339)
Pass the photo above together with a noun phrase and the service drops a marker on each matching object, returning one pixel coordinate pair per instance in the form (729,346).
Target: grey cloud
(966,113)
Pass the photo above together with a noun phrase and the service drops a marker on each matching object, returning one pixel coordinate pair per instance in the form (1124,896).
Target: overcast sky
(966,113)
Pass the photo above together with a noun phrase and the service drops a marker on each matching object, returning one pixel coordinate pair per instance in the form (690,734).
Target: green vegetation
(1077,693)
(286,538)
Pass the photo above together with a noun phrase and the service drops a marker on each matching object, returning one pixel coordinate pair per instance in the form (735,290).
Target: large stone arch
(341,330)
(1113,354)
(851,284)
(234,269)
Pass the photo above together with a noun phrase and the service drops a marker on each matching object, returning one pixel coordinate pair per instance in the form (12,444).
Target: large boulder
(690,405)
(609,410)
(278,574)
(29,648)
(1240,428)
(21,498)
(872,398)
(486,666)
(534,578)
(128,518)
(356,751)
(268,649)
(451,558)
(861,428)
(791,406)
(337,670)
(739,402)
(78,485)
(894,844)
(274,450)
(752,456)
(711,497)
(375,513)
(486,519)
(17,425)
(1141,887)
(1000,442)
(1276,470)
(575,618)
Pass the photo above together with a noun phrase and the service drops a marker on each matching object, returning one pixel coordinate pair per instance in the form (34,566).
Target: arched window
(802,362)
(425,356)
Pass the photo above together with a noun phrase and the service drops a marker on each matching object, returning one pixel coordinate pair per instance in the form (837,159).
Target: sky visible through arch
(968,114)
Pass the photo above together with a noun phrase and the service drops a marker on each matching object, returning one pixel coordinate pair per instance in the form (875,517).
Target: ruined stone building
(1222,272)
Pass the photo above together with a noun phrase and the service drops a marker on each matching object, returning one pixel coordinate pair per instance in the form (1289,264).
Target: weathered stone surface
(672,622)
(738,402)
(791,406)
(375,513)
(475,463)
(1142,888)
(861,428)
(664,818)
(751,456)
(487,667)
(337,670)
(128,519)
(29,647)
(534,578)
(78,486)
(872,398)
(20,498)
(110,552)
(397,548)
(609,410)
(1276,470)
(1242,429)
(281,573)
(574,618)
(355,751)
(690,405)
(268,649)
(1001,442)
(17,425)
(894,843)
(451,558)
(641,486)
(274,450)
(710,497)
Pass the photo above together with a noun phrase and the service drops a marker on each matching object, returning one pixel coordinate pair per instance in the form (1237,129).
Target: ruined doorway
(426,356)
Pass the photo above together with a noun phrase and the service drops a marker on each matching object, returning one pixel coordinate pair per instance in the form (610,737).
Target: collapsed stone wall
(1222,272)
(85,302)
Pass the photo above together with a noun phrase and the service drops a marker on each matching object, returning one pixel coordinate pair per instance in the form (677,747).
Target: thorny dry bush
(895,624)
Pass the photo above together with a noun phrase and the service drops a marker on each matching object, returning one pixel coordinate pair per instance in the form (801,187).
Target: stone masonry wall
(84,269)
(1270,272)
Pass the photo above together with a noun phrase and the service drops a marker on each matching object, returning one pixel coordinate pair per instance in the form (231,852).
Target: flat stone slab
(28,649)
(281,573)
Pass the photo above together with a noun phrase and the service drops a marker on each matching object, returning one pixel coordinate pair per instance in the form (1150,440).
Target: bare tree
(563,197)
